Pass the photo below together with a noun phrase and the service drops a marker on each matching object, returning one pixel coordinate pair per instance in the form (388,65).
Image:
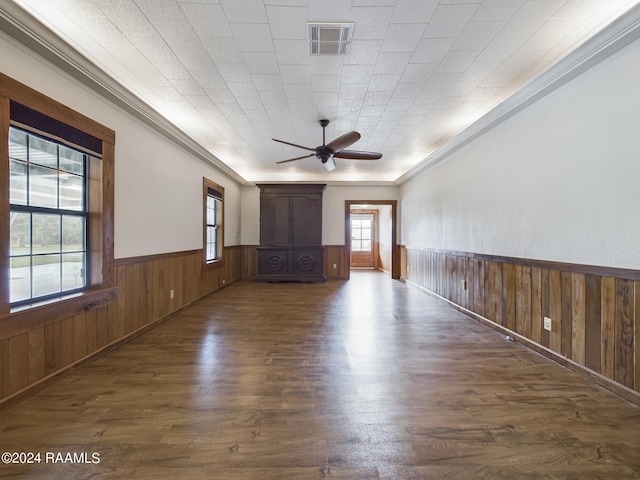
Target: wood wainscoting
(595,311)
(31,352)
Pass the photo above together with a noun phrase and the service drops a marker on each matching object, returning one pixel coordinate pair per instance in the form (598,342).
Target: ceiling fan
(335,149)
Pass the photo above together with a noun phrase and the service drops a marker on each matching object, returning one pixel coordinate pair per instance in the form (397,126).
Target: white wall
(158,186)
(384,221)
(250,215)
(333,200)
(333,207)
(558,181)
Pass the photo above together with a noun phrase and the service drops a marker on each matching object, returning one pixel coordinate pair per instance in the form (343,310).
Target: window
(48,217)
(213,221)
(361,227)
(56,239)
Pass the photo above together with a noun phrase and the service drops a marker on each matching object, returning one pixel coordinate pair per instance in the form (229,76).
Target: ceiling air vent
(329,38)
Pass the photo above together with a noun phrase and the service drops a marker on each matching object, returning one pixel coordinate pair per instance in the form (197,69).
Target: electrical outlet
(335,265)
(547,324)
(224,281)
(172,294)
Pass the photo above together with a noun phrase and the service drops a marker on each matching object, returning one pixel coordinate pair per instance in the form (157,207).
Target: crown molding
(28,32)
(619,34)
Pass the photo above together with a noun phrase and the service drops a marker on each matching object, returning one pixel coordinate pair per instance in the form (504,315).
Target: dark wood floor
(365,379)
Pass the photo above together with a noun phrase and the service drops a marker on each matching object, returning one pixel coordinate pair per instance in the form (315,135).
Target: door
(362,240)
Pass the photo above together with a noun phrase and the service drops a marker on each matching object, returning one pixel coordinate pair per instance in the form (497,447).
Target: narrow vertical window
(213,237)
(48,217)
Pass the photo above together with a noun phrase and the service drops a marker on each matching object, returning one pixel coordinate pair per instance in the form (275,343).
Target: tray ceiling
(232,74)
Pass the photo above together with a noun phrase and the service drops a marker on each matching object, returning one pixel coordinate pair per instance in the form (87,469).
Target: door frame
(395,253)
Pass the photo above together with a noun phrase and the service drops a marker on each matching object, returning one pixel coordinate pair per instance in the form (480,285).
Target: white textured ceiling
(232,74)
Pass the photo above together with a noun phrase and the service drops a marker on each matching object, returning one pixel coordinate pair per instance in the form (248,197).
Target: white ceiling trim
(613,38)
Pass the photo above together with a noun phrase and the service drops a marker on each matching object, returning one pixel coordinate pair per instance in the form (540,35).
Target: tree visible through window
(48,217)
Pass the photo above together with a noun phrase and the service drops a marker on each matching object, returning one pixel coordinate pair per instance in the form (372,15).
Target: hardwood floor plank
(364,379)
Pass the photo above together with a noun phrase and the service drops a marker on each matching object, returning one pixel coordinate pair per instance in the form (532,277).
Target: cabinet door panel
(306,227)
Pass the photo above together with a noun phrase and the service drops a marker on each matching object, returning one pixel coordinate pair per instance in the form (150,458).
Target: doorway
(389,240)
(364,239)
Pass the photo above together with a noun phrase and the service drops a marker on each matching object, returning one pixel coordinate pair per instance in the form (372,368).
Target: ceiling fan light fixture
(330,164)
(329,38)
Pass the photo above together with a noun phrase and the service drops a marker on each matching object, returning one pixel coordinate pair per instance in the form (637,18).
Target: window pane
(20,282)
(18,182)
(357,234)
(366,223)
(47,179)
(366,245)
(43,187)
(71,192)
(46,274)
(212,208)
(355,223)
(43,152)
(71,160)
(73,271)
(366,234)
(46,233)
(73,230)
(17,144)
(20,233)
(211,243)
(356,245)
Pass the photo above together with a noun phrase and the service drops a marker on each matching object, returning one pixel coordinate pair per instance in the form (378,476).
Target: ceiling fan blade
(343,142)
(358,155)
(294,145)
(297,158)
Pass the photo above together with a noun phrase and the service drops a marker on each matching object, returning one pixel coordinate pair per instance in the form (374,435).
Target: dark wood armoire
(291,233)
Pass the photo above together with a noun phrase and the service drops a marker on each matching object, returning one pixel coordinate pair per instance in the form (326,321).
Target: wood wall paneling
(5,389)
(578,317)
(38,350)
(595,311)
(18,362)
(555,310)
(636,335)
(593,322)
(546,303)
(52,351)
(607,352)
(624,329)
(509,296)
(336,255)
(66,342)
(36,354)
(536,305)
(566,321)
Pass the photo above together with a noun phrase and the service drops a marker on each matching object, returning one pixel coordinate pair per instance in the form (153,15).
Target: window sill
(38,314)
(213,264)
